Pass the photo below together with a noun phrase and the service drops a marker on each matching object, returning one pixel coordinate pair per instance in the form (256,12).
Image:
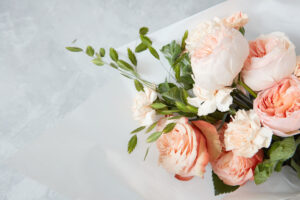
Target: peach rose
(245,136)
(217,54)
(279,107)
(297,69)
(236,170)
(272,57)
(183,150)
(236,20)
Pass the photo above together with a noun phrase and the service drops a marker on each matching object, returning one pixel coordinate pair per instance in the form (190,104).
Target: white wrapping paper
(84,156)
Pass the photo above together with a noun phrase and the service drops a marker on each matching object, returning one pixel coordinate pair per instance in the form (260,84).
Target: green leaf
(131,57)
(113,65)
(177,72)
(181,106)
(151,127)
(175,117)
(124,65)
(263,171)
(171,52)
(138,129)
(165,87)
(221,187)
(158,106)
(168,112)
(186,33)
(141,47)
(74,49)
(102,52)
(143,30)
(282,150)
(296,167)
(146,154)
(153,52)
(154,136)
(113,54)
(169,128)
(145,40)
(278,166)
(138,85)
(242,30)
(90,51)
(98,61)
(132,143)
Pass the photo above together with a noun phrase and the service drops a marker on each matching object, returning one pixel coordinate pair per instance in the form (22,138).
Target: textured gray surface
(40,82)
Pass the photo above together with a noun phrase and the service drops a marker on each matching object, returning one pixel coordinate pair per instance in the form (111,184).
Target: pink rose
(217,54)
(279,107)
(236,20)
(183,150)
(272,57)
(236,170)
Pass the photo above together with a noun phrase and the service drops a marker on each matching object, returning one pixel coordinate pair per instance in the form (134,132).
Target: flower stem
(244,85)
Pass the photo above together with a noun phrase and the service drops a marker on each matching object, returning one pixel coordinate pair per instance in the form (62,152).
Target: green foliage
(185,36)
(102,52)
(221,187)
(169,128)
(151,127)
(143,30)
(138,85)
(98,61)
(146,154)
(131,57)
(154,136)
(74,49)
(242,30)
(113,54)
(138,129)
(132,143)
(141,47)
(90,51)
(158,106)
(171,52)
(125,65)
(153,52)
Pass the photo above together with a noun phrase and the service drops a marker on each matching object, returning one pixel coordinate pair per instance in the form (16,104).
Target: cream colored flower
(209,101)
(141,109)
(236,20)
(217,54)
(245,135)
(297,69)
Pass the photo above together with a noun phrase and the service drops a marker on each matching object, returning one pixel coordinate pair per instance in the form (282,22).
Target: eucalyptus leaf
(125,65)
(90,51)
(151,127)
(138,85)
(168,112)
(132,143)
(138,129)
(146,40)
(141,47)
(185,36)
(153,52)
(154,136)
(74,49)
(102,52)
(113,54)
(98,61)
(146,154)
(158,106)
(131,57)
(143,30)
(113,65)
(169,128)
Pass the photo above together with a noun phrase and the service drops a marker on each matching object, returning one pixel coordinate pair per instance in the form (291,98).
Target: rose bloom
(141,108)
(279,107)
(236,20)
(297,69)
(272,57)
(209,101)
(236,170)
(183,151)
(245,136)
(217,54)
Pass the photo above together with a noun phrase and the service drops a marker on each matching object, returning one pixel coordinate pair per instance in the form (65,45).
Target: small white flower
(245,135)
(141,109)
(209,101)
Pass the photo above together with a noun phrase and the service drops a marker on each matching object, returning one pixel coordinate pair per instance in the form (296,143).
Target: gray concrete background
(40,82)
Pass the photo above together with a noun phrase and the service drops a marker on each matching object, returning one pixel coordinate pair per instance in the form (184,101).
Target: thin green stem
(244,85)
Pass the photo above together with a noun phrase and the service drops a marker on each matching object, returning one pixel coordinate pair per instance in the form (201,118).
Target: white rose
(141,108)
(272,57)
(217,54)
(209,101)
(245,136)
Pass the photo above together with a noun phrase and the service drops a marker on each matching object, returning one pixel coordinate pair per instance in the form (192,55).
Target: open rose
(217,54)
(236,20)
(279,107)
(141,108)
(272,57)
(236,170)
(183,150)
(297,69)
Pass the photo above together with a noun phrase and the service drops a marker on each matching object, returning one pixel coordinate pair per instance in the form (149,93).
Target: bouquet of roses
(229,102)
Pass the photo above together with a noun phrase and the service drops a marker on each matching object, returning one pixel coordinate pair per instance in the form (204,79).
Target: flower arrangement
(233,103)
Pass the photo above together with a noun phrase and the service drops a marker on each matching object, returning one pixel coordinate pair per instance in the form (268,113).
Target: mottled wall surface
(40,81)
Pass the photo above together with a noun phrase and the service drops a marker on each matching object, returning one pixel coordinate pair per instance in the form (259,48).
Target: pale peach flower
(236,170)
(245,136)
(217,54)
(272,57)
(141,108)
(236,20)
(209,101)
(297,69)
(279,107)
(183,150)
